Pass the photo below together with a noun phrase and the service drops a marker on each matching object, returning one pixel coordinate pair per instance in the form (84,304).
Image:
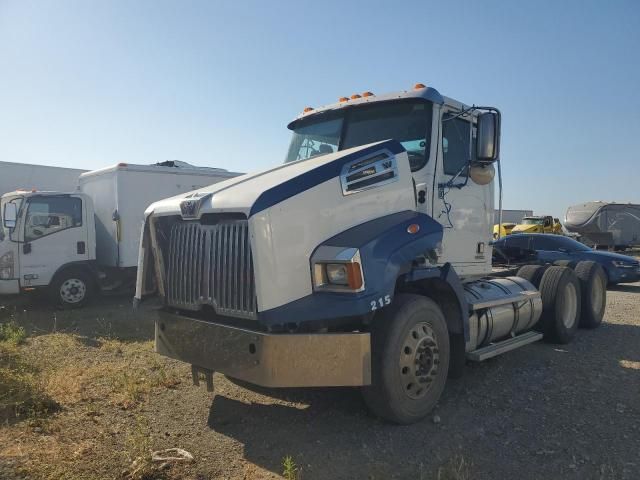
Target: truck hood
(246,193)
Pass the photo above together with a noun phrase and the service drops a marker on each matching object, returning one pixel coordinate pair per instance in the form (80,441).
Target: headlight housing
(337,269)
(6,266)
(621,264)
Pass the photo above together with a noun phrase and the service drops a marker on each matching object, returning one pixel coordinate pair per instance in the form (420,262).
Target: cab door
(54,234)
(464,208)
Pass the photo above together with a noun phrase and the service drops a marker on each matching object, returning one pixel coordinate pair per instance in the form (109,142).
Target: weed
(290,470)
(12,333)
(457,468)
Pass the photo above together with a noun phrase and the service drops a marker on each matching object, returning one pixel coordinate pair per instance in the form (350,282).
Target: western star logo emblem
(188,208)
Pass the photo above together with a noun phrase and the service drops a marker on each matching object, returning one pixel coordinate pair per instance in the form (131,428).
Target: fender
(387,251)
(448,275)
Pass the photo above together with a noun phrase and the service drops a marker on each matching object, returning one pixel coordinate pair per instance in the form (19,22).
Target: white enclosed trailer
(39,177)
(75,243)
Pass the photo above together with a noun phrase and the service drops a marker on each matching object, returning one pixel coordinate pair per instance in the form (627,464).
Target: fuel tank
(498,322)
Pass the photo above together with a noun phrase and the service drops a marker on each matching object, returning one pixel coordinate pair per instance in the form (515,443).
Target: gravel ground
(544,411)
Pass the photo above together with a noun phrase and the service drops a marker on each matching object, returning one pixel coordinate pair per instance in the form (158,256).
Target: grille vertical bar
(211,265)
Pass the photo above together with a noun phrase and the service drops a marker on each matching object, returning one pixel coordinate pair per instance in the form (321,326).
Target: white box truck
(74,244)
(364,260)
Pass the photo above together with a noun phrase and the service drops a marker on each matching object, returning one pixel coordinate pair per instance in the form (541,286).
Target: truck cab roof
(418,92)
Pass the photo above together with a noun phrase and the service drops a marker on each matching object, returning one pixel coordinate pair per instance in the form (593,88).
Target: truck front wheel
(71,288)
(410,359)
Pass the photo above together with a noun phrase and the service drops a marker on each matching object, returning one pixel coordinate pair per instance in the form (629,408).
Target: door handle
(81,248)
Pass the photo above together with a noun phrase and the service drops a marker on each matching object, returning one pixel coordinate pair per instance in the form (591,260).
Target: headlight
(6,260)
(337,269)
(337,273)
(621,264)
(6,273)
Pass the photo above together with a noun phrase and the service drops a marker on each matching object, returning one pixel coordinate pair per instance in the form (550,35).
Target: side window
(48,215)
(542,243)
(517,242)
(456,144)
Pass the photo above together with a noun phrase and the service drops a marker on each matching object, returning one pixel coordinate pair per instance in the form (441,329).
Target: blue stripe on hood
(318,175)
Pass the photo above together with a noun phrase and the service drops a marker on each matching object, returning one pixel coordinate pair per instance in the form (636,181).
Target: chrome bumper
(268,360)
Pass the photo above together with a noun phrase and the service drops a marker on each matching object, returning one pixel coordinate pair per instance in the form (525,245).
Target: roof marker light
(343,99)
(413,228)
(367,94)
(355,96)
(307,109)
(418,86)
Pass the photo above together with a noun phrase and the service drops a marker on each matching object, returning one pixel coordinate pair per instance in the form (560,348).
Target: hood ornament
(190,207)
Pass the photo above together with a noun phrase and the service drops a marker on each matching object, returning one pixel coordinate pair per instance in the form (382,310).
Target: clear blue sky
(87,84)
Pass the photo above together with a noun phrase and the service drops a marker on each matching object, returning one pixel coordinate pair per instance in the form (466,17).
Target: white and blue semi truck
(363,260)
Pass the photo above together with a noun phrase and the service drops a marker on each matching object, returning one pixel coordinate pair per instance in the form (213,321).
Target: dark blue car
(546,248)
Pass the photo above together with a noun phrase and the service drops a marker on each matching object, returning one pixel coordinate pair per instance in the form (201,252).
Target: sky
(87,84)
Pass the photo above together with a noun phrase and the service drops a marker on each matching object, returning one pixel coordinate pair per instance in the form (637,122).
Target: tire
(72,288)
(532,273)
(411,329)
(561,301)
(566,263)
(593,288)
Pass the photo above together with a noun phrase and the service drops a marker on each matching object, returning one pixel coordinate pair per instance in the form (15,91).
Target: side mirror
(488,137)
(10,215)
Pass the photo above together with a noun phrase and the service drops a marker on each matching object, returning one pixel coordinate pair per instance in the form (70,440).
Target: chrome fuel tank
(497,322)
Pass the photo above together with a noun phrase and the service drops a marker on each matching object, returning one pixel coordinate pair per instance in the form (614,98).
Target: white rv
(76,243)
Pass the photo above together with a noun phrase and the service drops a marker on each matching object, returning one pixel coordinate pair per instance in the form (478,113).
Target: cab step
(498,348)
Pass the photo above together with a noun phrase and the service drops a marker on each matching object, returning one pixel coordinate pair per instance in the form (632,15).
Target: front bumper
(268,360)
(9,287)
(626,275)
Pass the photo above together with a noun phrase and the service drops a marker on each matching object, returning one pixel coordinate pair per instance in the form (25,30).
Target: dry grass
(58,395)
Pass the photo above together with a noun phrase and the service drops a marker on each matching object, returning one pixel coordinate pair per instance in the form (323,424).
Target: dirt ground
(105,399)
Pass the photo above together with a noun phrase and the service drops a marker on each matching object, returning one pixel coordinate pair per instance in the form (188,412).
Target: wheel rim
(597,295)
(419,360)
(570,305)
(73,290)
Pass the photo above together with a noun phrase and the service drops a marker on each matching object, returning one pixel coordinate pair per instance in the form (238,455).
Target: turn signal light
(367,94)
(418,86)
(413,228)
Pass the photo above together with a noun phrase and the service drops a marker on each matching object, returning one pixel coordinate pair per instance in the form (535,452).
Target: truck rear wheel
(410,359)
(593,286)
(71,288)
(561,301)
(532,273)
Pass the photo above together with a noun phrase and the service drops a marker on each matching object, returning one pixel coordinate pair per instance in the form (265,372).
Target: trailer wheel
(410,359)
(71,288)
(561,301)
(593,286)
(532,273)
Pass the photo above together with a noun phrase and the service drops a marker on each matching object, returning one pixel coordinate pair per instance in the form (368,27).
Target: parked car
(550,248)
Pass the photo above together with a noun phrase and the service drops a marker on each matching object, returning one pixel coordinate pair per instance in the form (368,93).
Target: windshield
(532,221)
(4,232)
(408,122)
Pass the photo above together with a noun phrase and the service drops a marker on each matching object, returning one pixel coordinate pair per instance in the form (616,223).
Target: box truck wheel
(71,288)
(561,301)
(593,286)
(410,359)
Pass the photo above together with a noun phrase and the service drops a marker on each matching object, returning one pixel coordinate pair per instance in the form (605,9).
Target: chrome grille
(211,265)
